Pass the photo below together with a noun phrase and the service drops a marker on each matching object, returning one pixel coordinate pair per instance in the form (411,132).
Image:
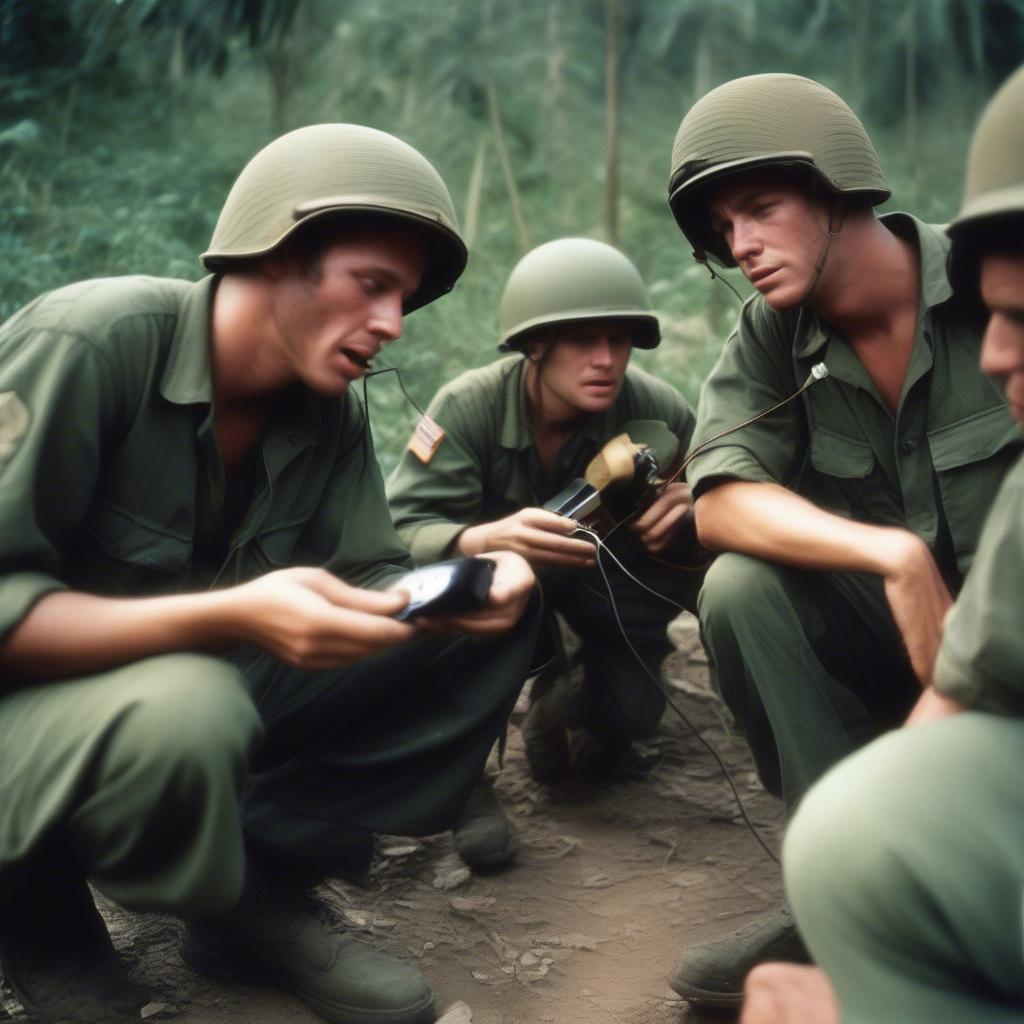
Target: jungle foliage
(124,122)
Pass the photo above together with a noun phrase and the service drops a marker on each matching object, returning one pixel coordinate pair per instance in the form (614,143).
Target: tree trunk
(613,26)
(910,96)
(494,111)
(471,219)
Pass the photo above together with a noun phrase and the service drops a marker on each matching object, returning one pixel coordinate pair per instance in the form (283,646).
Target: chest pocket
(971,457)
(277,546)
(836,455)
(126,553)
(848,480)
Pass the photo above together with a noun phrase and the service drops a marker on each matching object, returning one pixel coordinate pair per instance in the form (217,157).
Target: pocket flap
(973,439)
(128,539)
(836,455)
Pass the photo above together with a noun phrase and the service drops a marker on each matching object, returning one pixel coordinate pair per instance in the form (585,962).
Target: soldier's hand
(540,536)
(309,618)
(781,993)
(660,522)
(918,597)
(931,706)
(511,587)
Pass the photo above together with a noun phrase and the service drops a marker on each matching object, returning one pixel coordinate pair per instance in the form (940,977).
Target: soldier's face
(331,320)
(775,231)
(580,368)
(1002,351)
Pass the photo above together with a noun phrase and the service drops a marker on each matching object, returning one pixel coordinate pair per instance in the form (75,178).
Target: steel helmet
(995,166)
(772,120)
(339,168)
(574,279)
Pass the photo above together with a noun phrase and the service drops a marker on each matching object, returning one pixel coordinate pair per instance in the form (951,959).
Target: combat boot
(712,973)
(483,834)
(279,935)
(56,954)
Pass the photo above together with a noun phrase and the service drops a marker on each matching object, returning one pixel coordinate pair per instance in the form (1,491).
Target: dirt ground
(609,885)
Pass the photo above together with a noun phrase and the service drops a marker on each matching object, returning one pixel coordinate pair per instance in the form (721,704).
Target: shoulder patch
(14,419)
(426,439)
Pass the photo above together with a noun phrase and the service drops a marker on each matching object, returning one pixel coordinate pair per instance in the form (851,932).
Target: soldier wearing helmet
(904,864)
(197,562)
(849,516)
(514,434)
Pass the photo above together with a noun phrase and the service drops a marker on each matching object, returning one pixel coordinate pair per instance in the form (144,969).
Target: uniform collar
(933,252)
(186,379)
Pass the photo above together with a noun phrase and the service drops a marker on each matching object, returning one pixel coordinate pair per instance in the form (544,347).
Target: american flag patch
(426,439)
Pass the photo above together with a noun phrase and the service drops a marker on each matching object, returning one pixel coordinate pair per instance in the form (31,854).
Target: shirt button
(911,445)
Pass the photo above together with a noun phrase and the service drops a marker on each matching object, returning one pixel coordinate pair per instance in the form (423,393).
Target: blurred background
(123,124)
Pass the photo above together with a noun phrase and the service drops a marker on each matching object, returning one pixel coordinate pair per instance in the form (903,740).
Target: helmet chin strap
(825,249)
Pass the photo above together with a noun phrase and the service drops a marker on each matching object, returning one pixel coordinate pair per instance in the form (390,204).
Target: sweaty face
(775,231)
(333,318)
(580,368)
(1002,351)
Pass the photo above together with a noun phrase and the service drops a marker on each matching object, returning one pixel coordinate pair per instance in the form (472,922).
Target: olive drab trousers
(905,869)
(811,664)
(160,777)
(618,702)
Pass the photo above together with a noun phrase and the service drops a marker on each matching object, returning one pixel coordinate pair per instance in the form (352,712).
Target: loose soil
(609,885)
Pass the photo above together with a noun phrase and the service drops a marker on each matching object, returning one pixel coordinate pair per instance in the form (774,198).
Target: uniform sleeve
(753,373)
(58,402)
(368,552)
(433,502)
(981,660)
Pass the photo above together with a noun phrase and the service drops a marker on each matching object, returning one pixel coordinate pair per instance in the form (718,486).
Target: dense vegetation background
(124,122)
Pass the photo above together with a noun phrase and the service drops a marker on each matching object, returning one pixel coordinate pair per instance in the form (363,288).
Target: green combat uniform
(114,486)
(905,864)
(487,467)
(215,787)
(812,663)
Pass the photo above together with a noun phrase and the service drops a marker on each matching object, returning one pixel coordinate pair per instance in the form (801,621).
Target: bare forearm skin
(71,633)
(770,522)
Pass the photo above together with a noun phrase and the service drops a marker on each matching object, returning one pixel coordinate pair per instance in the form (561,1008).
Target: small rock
(401,851)
(470,904)
(529,959)
(452,879)
(457,1013)
(354,918)
(508,969)
(427,946)
(152,1009)
(480,976)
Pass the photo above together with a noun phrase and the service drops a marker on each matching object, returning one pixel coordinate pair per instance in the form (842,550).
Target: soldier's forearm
(70,633)
(770,522)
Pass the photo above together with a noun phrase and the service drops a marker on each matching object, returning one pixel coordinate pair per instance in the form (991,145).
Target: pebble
(457,1013)
(470,904)
(452,879)
(401,851)
(152,1009)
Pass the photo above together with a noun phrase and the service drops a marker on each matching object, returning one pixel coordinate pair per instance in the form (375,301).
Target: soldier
(905,864)
(514,434)
(185,722)
(848,516)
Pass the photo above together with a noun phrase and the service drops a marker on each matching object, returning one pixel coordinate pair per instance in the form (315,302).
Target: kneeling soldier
(185,721)
(510,436)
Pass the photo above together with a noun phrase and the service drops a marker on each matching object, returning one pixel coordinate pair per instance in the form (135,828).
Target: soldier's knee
(738,586)
(841,852)
(189,712)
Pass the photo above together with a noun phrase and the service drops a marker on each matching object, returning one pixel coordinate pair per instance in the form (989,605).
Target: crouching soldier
(206,701)
(850,515)
(905,864)
(509,437)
